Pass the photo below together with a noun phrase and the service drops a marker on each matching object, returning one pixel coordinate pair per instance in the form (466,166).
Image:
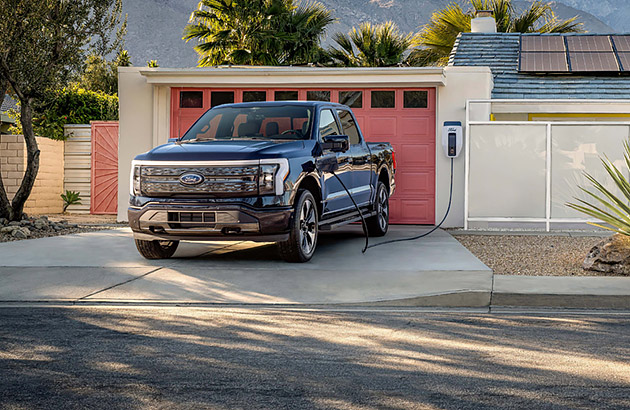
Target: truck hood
(223,150)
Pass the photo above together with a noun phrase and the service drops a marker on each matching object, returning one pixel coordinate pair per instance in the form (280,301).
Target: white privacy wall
(527,172)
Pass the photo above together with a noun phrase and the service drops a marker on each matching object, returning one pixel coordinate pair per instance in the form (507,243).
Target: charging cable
(365,232)
(450,200)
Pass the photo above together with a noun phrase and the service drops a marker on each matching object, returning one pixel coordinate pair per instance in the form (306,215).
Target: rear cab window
(328,123)
(349,126)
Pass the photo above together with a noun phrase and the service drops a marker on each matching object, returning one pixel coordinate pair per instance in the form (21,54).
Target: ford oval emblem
(191,179)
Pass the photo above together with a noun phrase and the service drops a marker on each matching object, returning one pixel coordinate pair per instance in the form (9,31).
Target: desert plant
(370,45)
(435,42)
(70,198)
(257,32)
(152,64)
(608,207)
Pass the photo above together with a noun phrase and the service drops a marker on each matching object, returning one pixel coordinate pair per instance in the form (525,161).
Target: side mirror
(336,143)
(172,140)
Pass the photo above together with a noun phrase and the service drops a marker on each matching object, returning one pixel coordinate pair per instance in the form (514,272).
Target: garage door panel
(415,126)
(421,182)
(410,211)
(415,155)
(382,126)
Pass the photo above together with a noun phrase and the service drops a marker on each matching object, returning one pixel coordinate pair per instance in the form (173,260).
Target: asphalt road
(112,357)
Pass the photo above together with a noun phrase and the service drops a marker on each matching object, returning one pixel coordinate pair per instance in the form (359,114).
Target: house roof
(500,52)
(7,103)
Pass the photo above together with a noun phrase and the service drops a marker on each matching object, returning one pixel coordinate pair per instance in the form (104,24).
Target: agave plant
(70,198)
(608,207)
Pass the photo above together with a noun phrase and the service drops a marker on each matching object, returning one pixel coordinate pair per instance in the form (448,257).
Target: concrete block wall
(45,196)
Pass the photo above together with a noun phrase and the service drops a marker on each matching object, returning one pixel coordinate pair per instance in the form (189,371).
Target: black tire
(302,241)
(378,224)
(156,249)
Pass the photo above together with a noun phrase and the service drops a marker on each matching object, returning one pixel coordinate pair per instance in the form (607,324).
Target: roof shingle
(500,52)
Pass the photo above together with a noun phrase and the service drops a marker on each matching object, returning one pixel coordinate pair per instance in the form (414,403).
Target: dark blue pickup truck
(266,171)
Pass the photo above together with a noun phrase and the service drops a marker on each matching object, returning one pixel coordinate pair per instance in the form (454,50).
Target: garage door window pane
(221,97)
(353,99)
(254,96)
(318,95)
(191,99)
(286,95)
(415,99)
(383,99)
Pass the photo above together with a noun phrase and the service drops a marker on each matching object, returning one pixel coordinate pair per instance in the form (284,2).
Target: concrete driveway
(104,266)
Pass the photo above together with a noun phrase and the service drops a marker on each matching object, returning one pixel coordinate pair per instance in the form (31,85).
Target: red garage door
(405,117)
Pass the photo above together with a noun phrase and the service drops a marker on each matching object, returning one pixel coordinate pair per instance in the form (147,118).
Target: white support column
(548,181)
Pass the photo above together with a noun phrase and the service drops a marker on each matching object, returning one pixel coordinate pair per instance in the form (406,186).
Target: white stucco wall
(462,84)
(145,108)
(136,127)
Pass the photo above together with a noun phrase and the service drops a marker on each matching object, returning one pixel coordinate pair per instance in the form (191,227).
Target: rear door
(359,157)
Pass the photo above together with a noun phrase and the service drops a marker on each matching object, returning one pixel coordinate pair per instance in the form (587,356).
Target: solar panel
(594,62)
(544,62)
(622,43)
(542,43)
(624,59)
(589,44)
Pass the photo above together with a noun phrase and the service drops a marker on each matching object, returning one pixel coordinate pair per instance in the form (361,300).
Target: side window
(349,127)
(327,124)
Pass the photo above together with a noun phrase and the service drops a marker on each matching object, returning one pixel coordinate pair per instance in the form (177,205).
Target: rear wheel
(378,224)
(156,249)
(302,241)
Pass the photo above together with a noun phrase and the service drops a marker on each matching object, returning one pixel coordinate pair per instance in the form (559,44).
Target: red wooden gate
(104,184)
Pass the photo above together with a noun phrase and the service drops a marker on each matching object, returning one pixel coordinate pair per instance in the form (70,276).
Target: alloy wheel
(308,227)
(383,209)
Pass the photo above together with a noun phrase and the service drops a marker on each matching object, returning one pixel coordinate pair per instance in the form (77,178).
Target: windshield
(263,122)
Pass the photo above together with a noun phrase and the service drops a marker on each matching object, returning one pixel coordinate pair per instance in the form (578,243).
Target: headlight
(267,179)
(135,180)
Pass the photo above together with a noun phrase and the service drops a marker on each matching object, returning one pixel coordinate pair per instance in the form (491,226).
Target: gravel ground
(48,233)
(532,255)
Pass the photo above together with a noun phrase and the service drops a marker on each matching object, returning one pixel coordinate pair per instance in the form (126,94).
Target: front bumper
(208,222)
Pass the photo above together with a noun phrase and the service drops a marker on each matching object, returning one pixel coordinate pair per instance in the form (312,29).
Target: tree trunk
(32,160)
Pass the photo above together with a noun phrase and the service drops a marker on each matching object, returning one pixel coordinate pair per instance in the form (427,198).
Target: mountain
(615,13)
(155,26)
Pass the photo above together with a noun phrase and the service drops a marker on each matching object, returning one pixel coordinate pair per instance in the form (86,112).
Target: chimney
(483,22)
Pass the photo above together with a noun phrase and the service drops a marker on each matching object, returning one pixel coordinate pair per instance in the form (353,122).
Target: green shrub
(608,207)
(69,106)
(70,198)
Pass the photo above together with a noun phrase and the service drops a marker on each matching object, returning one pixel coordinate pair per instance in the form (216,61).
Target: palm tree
(370,45)
(435,42)
(257,32)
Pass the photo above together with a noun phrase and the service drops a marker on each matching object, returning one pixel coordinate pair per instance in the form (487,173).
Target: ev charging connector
(452,138)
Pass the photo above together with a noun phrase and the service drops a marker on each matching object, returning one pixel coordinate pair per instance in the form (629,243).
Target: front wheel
(302,241)
(378,224)
(156,249)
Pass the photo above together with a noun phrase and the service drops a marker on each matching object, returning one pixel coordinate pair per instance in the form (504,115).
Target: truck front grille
(217,181)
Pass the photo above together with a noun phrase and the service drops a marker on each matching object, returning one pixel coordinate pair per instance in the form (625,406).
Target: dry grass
(532,255)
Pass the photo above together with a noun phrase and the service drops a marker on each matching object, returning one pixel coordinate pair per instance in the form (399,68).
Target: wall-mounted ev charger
(452,138)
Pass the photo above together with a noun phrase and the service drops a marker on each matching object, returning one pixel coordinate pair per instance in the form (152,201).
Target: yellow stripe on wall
(533,116)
